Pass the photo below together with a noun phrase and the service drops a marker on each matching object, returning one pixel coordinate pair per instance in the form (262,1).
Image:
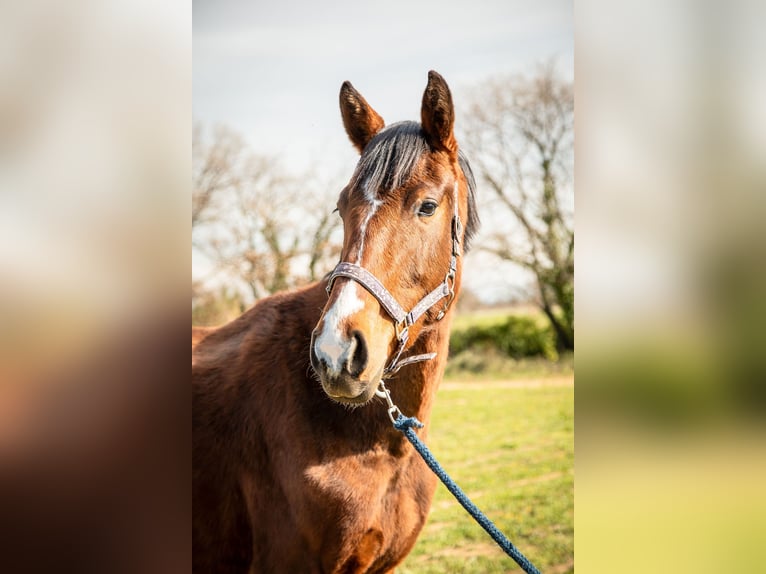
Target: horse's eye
(427,208)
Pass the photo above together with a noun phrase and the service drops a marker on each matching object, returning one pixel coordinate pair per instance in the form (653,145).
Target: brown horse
(296,465)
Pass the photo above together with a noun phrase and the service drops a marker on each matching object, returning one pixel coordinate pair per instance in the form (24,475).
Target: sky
(272,70)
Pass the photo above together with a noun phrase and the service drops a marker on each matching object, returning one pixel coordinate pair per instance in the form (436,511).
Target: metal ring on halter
(383,392)
(402,330)
(457,228)
(449,280)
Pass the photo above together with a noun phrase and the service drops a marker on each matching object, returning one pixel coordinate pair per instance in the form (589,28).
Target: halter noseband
(402,319)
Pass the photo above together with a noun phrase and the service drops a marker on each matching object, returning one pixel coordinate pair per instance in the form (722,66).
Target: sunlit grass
(511,449)
(492,365)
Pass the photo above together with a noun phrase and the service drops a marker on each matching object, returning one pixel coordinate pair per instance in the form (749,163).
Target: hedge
(516,337)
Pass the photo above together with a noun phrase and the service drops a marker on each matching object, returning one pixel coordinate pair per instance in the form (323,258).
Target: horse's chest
(367,510)
(366,491)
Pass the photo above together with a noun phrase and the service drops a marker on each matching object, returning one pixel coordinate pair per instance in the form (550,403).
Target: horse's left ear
(437,115)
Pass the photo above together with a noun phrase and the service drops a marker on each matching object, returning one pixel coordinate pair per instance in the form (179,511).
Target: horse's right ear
(359,119)
(437,115)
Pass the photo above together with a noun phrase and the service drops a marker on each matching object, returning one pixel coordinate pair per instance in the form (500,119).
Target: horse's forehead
(428,170)
(367,195)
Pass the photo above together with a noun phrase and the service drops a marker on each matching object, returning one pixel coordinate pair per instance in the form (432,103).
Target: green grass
(492,365)
(512,451)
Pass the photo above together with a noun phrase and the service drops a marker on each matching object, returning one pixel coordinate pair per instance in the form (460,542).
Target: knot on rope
(403,423)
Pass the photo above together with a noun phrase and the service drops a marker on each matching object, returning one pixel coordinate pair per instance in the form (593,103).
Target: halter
(402,319)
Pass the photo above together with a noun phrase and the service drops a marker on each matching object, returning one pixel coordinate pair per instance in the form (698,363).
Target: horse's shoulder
(268,319)
(213,346)
(199,333)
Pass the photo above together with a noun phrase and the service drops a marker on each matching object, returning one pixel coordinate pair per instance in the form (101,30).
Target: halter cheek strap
(404,320)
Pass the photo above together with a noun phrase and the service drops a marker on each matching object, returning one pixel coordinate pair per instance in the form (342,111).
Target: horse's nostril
(358,360)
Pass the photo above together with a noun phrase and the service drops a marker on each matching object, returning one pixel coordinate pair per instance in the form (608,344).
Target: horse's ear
(359,119)
(437,115)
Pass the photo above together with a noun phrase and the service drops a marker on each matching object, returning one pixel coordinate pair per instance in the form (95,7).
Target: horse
(296,465)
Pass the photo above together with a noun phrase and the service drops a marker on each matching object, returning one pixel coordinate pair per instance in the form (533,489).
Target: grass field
(491,365)
(510,446)
(485,362)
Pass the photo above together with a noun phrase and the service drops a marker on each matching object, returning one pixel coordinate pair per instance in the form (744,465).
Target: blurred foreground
(94,404)
(671,370)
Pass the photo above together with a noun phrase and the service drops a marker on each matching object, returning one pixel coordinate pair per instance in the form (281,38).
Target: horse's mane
(391,156)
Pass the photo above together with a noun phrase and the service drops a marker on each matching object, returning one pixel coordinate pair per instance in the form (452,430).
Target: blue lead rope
(405,425)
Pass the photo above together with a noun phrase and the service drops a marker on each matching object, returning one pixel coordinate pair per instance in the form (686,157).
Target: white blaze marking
(332,346)
(375,204)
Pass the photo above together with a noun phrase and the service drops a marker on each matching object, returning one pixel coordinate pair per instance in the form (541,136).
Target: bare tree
(323,249)
(215,169)
(520,133)
(260,226)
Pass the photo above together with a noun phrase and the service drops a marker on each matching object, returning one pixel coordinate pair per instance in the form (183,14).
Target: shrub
(516,337)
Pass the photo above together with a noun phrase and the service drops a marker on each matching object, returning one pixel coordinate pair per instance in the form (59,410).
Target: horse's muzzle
(346,390)
(344,385)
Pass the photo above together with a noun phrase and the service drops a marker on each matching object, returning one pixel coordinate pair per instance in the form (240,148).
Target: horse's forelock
(389,160)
